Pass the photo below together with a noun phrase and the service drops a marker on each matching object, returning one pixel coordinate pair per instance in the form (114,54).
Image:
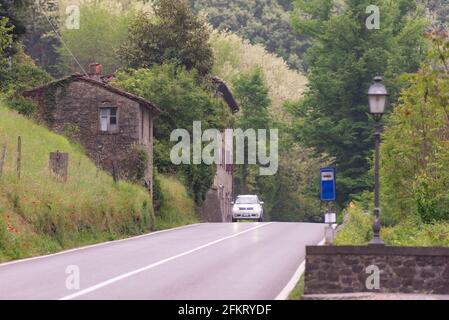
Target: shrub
(22,105)
(357,230)
(137,163)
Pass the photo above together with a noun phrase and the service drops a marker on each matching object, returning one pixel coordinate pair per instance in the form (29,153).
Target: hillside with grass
(39,214)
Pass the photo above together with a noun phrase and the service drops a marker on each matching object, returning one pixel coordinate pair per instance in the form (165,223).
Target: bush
(410,232)
(357,230)
(22,105)
(137,160)
(178,208)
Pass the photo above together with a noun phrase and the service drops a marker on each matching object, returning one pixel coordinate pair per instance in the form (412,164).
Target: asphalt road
(205,261)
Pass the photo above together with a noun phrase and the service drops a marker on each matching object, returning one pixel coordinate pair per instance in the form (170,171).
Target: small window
(108,120)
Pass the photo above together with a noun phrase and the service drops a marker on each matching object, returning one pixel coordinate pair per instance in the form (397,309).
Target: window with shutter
(108,120)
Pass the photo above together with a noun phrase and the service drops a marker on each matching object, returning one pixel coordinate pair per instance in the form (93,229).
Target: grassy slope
(39,215)
(178,208)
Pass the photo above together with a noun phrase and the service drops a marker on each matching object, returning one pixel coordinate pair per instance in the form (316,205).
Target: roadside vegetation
(167,54)
(298,291)
(357,230)
(40,214)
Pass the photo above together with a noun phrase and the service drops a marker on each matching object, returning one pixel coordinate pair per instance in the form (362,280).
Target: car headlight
(235,209)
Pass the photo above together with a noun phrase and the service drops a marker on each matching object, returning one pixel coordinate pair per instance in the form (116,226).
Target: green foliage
(180,95)
(234,55)
(344,57)
(421,235)
(22,105)
(102,31)
(183,99)
(43,215)
(158,195)
(417,135)
(23,74)
(178,207)
(263,22)
(5,36)
(137,159)
(291,194)
(39,39)
(251,92)
(175,34)
(356,230)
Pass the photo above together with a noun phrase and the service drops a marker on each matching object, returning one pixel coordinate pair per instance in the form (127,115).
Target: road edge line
(285,293)
(96,245)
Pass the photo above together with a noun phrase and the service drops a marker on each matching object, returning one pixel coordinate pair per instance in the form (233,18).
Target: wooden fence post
(59,163)
(19,156)
(2,159)
(114,171)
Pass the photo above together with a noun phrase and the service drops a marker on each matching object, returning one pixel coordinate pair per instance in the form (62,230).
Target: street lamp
(377,97)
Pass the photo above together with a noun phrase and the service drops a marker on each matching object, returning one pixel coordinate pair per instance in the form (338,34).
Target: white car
(247,207)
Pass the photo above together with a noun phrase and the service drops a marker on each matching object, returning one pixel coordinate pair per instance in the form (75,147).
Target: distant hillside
(39,214)
(264,22)
(233,55)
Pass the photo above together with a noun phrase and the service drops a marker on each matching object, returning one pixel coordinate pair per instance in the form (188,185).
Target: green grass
(40,215)
(357,231)
(178,207)
(298,291)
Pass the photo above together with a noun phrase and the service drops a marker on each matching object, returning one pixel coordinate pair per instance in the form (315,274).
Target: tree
(183,98)
(344,57)
(262,22)
(252,94)
(100,35)
(17,72)
(174,34)
(5,36)
(417,135)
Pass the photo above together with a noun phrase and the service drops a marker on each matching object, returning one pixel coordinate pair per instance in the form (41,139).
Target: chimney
(95,71)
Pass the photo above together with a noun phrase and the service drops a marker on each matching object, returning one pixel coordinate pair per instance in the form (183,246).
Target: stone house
(114,126)
(217,205)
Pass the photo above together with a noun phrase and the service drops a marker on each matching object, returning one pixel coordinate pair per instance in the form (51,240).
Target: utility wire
(60,38)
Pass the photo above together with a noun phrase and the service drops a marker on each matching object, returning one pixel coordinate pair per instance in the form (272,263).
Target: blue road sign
(328,185)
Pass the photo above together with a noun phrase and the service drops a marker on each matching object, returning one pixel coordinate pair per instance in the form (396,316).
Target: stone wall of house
(333,270)
(217,205)
(76,112)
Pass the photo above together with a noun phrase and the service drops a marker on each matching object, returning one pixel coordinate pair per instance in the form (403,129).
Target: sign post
(328,194)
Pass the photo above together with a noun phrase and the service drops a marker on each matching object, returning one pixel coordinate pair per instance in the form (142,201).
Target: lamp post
(377,97)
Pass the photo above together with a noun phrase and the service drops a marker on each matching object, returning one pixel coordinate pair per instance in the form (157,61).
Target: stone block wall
(333,270)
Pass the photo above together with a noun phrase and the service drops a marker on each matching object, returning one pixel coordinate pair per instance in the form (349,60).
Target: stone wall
(332,270)
(217,206)
(76,108)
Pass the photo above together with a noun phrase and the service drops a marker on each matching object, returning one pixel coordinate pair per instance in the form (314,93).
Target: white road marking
(156,264)
(283,295)
(98,245)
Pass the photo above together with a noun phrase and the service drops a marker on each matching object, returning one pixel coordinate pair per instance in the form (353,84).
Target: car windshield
(247,200)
